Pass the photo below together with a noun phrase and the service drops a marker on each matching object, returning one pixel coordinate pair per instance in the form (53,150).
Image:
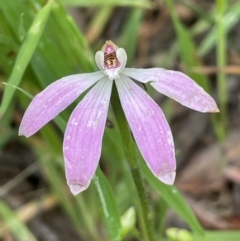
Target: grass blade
(17,227)
(187,48)
(109,205)
(112,3)
(25,53)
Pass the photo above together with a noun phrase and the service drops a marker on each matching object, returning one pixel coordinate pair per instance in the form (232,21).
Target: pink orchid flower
(84,132)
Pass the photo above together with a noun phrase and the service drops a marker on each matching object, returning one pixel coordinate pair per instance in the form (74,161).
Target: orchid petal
(54,99)
(99,59)
(150,129)
(122,57)
(83,136)
(177,86)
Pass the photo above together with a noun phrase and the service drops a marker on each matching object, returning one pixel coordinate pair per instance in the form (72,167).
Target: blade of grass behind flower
(18,228)
(130,31)
(98,23)
(112,3)
(53,44)
(198,11)
(109,205)
(8,49)
(84,202)
(73,44)
(223,235)
(221,62)
(231,17)
(187,48)
(62,50)
(25,53)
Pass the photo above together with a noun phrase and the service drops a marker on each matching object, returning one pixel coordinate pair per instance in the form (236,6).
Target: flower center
(110,58)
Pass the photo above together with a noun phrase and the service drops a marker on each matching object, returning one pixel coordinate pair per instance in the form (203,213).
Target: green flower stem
(130,152)
(221,62)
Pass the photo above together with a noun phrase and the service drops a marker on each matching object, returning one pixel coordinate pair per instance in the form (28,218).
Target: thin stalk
(130,152)
(221,63)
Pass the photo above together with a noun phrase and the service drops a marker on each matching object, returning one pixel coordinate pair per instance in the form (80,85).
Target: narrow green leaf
(21,29)
(100,3)
(20,89)
(25,53)
(187,47)
(223,235)
(221,54)
(57,182)
(109,205)
(230,19)
(130,31)
(18,228)
(98,23)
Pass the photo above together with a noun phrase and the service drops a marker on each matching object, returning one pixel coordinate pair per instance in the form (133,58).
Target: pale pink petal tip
(216,110)
(167,177)
(21,133)
(77,188)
